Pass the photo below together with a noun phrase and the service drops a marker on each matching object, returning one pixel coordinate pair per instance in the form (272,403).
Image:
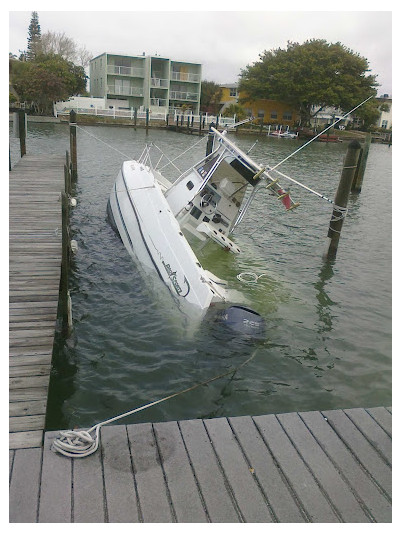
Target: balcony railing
(159,102)
(182,95)
(159,82)
(125,71)
(185,77)
(127,91)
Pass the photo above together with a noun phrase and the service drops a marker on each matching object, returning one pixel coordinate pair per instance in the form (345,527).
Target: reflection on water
(328,341)
(324,302)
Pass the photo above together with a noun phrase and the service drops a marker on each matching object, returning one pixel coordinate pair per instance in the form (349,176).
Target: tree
(34,36)
(235,109)
(315,73)
(210,98)
(48,79)
(59,43)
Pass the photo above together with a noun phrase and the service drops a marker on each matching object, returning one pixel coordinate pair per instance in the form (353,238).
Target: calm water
(328,339)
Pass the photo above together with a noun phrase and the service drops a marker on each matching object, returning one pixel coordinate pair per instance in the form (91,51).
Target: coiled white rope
(249,277)
(340,214)
(81,443)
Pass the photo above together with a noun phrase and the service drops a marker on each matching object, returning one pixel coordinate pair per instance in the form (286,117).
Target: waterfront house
(154,82)
(270,111)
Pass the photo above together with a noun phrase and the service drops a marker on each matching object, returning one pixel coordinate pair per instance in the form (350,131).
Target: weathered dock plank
(314,501)
(363,486)
(250,501)
(214,488)
(337,491)
(88,494)
(367,455)
(282,499)
(25,484)
(35,187)
(153,493)
(56,485)
(119,481)
(185,495)
(294,467)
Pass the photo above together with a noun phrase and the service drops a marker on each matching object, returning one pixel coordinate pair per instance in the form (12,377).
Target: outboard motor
(244,321)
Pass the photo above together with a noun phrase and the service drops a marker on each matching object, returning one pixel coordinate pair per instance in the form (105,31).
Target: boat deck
(328,466)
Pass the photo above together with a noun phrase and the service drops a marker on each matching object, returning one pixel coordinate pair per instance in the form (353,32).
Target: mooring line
(105,143)
(77,444)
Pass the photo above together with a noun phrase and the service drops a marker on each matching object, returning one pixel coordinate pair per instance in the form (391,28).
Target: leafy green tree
(315,73)
(34,36)
(48,79)
(210,97)
(235,109)
(369,114)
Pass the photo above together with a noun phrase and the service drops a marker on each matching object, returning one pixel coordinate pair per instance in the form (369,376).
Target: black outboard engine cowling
(243,320)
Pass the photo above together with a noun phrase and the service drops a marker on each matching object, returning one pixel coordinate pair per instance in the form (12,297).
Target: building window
(274,114)
(261,114)
(233,92)
(384,124)
(287,115)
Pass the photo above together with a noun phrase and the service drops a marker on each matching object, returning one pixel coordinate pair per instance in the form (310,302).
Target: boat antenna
(320,134)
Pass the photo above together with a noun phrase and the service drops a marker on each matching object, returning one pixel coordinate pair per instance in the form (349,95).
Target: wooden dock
(35,235)
(322,467)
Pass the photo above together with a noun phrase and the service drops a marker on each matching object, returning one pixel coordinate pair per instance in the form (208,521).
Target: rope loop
(249,277)
(341,213)
(77,444)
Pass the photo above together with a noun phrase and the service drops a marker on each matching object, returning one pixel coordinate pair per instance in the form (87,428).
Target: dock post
(362,164)
(200,119)
(67,175)
(135,118)
(167,120)
(64,283)
(72,141)
(341,199)
(188,123)
(147,120)
(22,131)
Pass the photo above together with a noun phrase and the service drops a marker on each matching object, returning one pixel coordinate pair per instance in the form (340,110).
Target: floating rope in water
(81,443)
(249,277)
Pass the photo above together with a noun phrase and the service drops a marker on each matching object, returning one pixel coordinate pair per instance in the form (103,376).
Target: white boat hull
(153,237)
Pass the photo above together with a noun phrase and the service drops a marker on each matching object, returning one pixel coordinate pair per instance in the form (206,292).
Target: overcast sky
(224,41)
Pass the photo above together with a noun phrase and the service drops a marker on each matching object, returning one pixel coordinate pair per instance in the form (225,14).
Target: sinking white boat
(159,221)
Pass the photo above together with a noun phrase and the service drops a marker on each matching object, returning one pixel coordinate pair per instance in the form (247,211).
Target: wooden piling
(72,140)
(65,261)
(22,131)
(362,164)
(341,198)
(135,117)
(147,120)
(200,119)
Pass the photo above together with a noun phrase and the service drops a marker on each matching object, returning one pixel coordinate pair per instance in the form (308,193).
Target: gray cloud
(223,41)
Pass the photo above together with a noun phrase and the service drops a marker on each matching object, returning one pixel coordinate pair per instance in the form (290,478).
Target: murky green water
(328,325)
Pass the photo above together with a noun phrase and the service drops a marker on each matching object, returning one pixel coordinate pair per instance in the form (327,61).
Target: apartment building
(153,82)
